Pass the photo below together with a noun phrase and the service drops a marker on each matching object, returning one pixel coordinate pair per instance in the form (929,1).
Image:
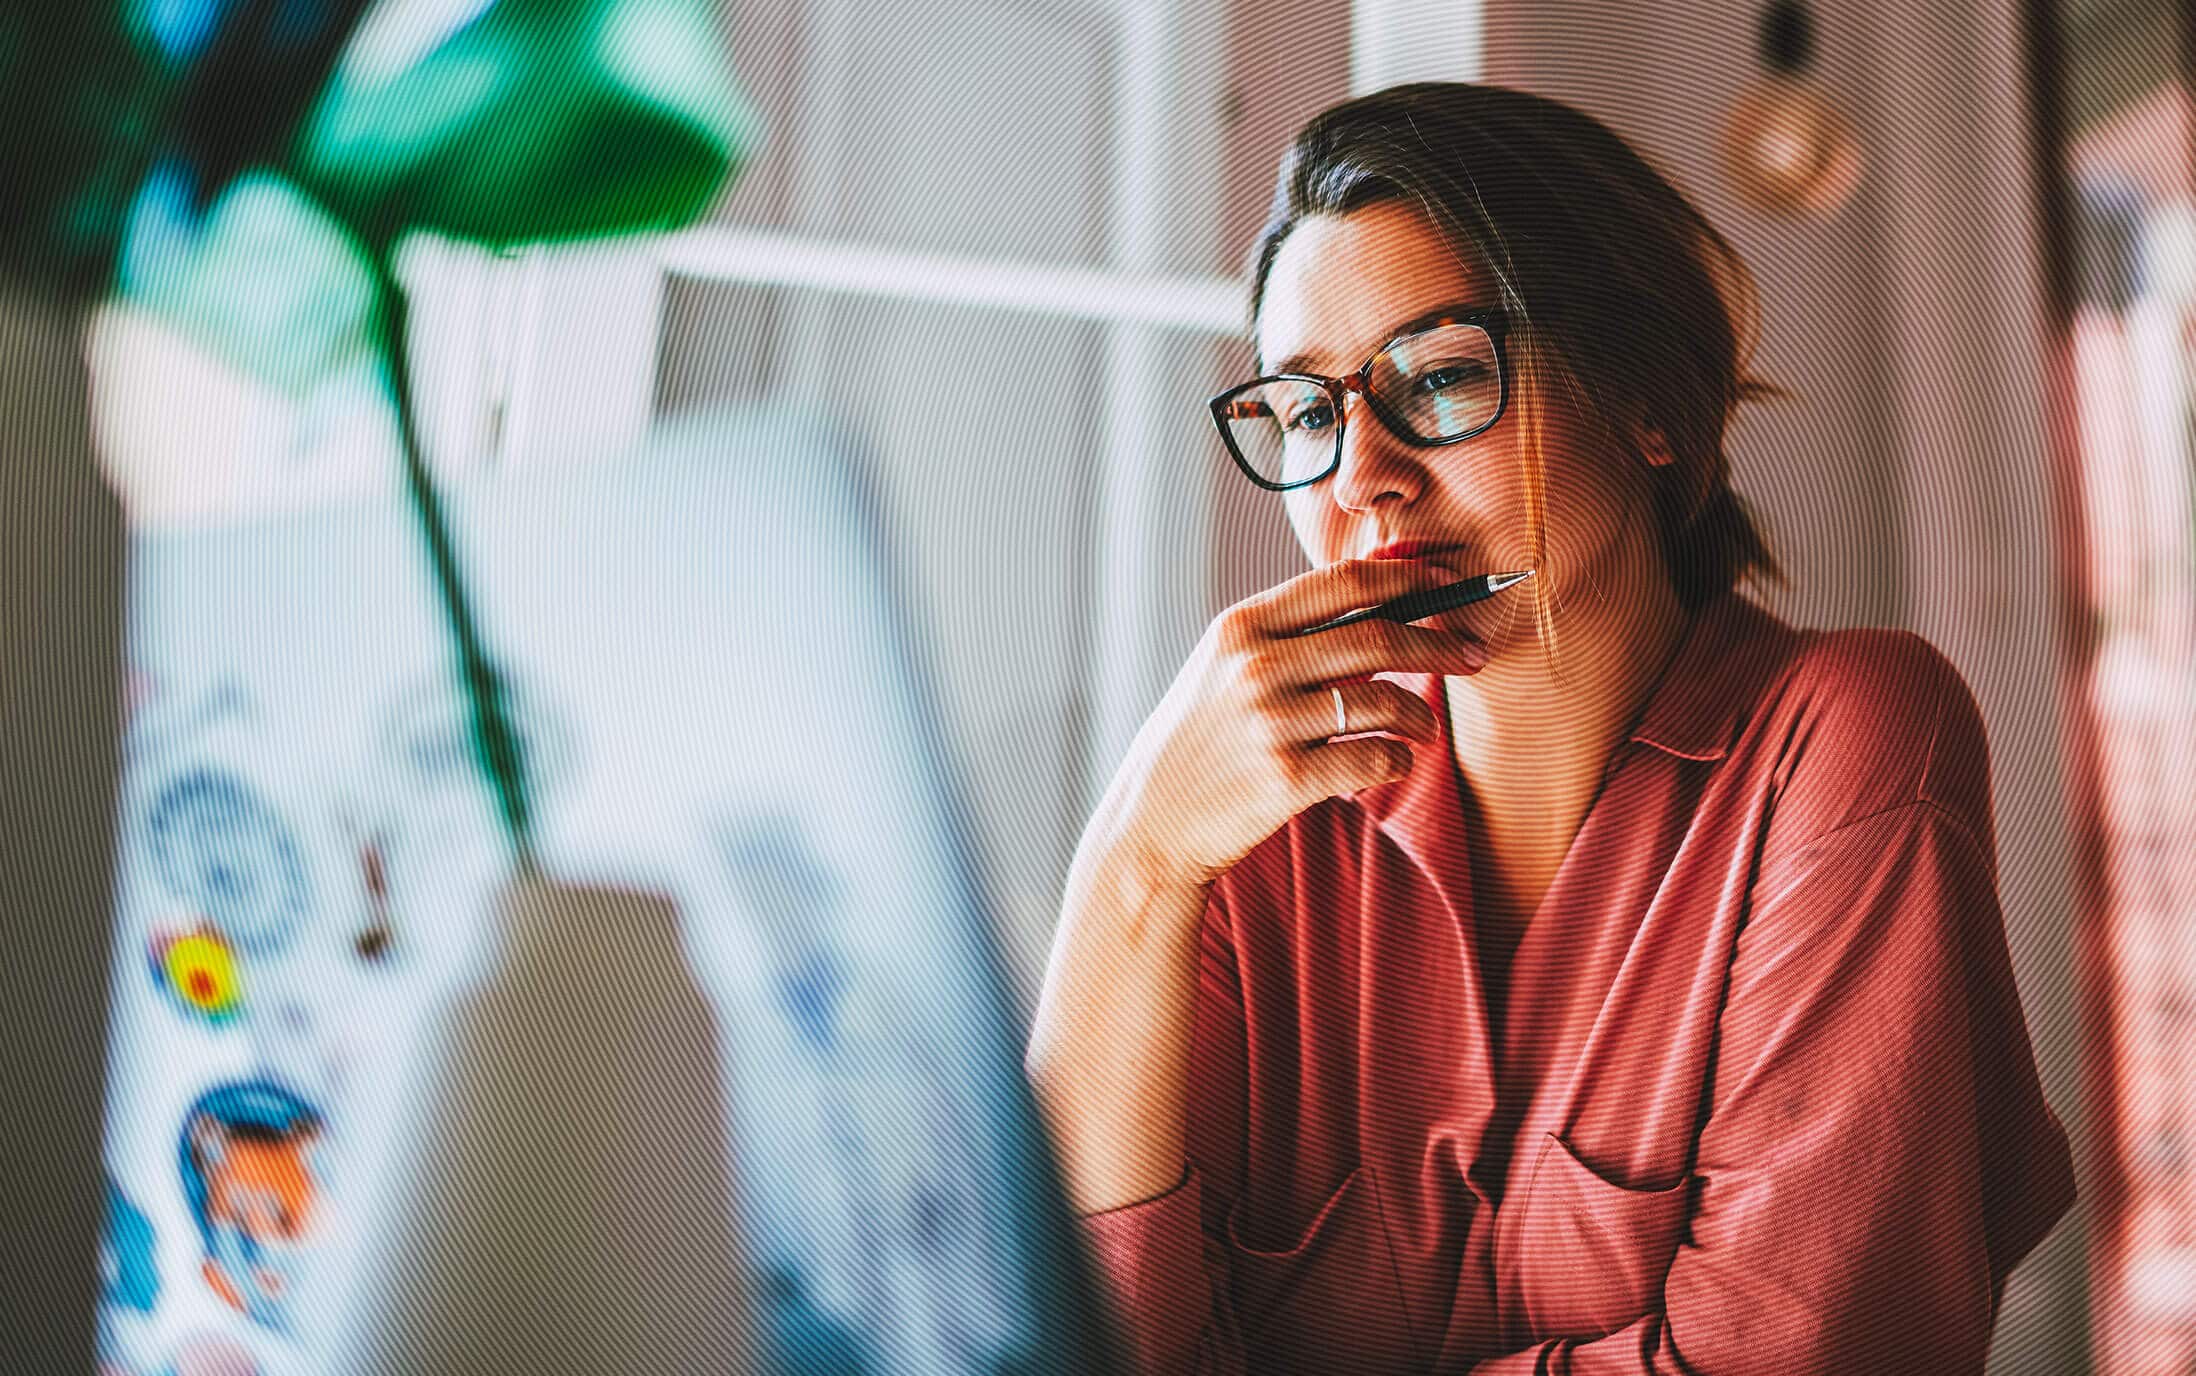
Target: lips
(1448,556)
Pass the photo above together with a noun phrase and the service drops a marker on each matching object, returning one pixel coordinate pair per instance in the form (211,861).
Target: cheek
(1590,497)
(1320,527)
(1484,488)
(1584,492)
(1587,478)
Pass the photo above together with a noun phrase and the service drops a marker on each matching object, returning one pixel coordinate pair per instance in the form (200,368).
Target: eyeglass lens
(1440,384)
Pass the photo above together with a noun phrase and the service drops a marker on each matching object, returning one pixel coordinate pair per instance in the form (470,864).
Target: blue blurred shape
(180,29)
(126,1254)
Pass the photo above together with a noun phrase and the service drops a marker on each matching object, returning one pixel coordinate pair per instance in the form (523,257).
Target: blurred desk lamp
(1785,145)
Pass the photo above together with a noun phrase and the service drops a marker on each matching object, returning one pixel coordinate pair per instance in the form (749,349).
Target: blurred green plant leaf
(539,121)
(266,279)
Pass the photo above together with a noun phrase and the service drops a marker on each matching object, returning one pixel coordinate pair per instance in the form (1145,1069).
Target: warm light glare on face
(1544,488)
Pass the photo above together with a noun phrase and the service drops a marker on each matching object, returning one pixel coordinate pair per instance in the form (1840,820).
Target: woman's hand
(1243,739)
(1241,742)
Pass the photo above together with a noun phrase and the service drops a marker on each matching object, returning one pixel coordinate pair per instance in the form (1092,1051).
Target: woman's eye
(1444,376)
(1310,418)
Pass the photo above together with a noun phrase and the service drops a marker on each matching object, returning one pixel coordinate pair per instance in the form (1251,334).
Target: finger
(1374,647)
(1369,705)
(1343,586)
(1338,767)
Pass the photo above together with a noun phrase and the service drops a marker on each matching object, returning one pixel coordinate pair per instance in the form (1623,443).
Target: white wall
(1045,473)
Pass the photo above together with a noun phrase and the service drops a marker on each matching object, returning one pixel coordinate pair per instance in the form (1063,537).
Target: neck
(1535,728)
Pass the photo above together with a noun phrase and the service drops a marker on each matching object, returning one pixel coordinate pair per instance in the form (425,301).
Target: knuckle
(1255,670)
(1232,627)
(1348,575)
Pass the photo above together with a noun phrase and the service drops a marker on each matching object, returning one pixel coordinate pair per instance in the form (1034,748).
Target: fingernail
(1475,654)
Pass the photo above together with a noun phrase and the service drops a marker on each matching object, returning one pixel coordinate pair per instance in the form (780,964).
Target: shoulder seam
(1959,824)
(1916,783)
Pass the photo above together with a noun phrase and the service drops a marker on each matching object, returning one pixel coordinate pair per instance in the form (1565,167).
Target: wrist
(1131,872)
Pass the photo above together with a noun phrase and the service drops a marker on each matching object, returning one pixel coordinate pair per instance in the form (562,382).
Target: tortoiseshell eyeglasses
(1438,384)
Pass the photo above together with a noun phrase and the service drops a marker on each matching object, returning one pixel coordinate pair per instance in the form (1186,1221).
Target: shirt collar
(1713,680)
(1695,711)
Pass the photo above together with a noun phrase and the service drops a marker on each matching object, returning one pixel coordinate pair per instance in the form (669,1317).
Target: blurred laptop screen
(717,692)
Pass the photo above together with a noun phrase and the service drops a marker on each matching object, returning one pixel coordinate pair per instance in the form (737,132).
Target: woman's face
(1341,287)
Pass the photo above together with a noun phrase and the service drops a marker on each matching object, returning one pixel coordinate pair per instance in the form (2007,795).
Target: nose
(1375,466)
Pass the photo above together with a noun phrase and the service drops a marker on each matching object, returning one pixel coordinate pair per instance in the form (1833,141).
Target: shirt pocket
(1328,1301)
(1579,1256)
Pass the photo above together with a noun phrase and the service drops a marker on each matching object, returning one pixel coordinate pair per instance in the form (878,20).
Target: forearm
(1776,1341)
(1109,1049)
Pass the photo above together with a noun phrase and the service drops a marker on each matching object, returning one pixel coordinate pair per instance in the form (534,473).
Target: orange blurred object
(1785,146)
(1789,150)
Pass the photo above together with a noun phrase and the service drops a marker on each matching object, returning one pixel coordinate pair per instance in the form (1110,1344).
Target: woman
(1602,977)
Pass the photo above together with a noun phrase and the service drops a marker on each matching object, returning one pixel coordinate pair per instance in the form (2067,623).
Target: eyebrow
(1295,363)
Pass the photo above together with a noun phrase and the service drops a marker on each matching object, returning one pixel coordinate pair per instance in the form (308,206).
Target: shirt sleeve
(1162,1261)
(1877,1153)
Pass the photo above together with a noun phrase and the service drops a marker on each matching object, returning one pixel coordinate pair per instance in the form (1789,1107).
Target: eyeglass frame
(1492,320)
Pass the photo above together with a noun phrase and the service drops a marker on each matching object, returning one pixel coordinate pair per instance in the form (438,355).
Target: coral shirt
(1762,1099)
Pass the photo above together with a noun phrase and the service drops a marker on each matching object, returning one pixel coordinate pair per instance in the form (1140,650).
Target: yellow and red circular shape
(201,973)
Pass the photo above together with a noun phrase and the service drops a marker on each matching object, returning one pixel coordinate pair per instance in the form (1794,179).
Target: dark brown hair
(1619,289)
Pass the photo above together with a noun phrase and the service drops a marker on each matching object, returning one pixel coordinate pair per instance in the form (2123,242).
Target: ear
(1654,446)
